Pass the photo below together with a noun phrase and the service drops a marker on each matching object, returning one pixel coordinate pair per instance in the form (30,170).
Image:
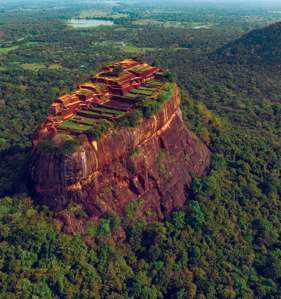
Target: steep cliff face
(154,163)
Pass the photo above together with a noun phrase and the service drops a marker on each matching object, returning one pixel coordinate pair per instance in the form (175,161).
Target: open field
(32,66)
(88,23)
(135,50)
(173,24)
(122,46)
(7,50)
(101,14)
(35,67)
(54,66)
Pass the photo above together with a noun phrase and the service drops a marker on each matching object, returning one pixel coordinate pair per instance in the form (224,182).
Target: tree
(117,70)
(196,216)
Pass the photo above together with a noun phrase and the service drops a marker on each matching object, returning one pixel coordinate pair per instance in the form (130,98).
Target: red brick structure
(113,81)
(131,75)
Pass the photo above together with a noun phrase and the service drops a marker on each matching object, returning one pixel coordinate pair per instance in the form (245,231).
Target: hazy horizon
(213,2)
(218,2)
(230,5)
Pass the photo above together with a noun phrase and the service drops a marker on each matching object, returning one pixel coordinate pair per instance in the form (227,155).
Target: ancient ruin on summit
(109,95)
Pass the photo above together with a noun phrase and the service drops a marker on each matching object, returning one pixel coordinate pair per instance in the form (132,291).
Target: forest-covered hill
(258,47)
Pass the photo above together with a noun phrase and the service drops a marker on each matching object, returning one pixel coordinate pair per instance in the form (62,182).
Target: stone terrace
(115,91)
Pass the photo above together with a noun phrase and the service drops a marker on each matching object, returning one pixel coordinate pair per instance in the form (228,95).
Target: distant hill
(260,46)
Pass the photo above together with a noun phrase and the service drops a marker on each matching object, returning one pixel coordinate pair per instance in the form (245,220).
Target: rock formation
(153,162)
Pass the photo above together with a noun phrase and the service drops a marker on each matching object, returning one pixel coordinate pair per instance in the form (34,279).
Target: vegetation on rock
(61,145)
(98,130)
(131,119)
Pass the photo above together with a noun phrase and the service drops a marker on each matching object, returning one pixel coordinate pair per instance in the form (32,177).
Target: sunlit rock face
(153,163)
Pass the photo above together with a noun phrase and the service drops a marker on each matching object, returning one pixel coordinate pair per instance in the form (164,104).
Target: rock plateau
(153,162)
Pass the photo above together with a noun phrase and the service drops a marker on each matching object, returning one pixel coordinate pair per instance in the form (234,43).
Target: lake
(85,23)
(202,27)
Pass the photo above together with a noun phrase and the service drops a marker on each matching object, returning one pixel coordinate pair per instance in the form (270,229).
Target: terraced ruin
(119,138)
(115,96)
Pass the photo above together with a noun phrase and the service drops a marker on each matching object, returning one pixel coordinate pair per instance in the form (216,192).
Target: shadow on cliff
(14,174)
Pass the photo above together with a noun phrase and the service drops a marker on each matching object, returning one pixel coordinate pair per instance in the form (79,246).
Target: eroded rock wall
(154,162)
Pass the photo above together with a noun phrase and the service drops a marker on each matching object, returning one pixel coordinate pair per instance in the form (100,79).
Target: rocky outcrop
(153,163)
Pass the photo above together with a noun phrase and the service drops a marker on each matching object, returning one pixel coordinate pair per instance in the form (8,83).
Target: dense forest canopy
(260,46)
(225,242)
